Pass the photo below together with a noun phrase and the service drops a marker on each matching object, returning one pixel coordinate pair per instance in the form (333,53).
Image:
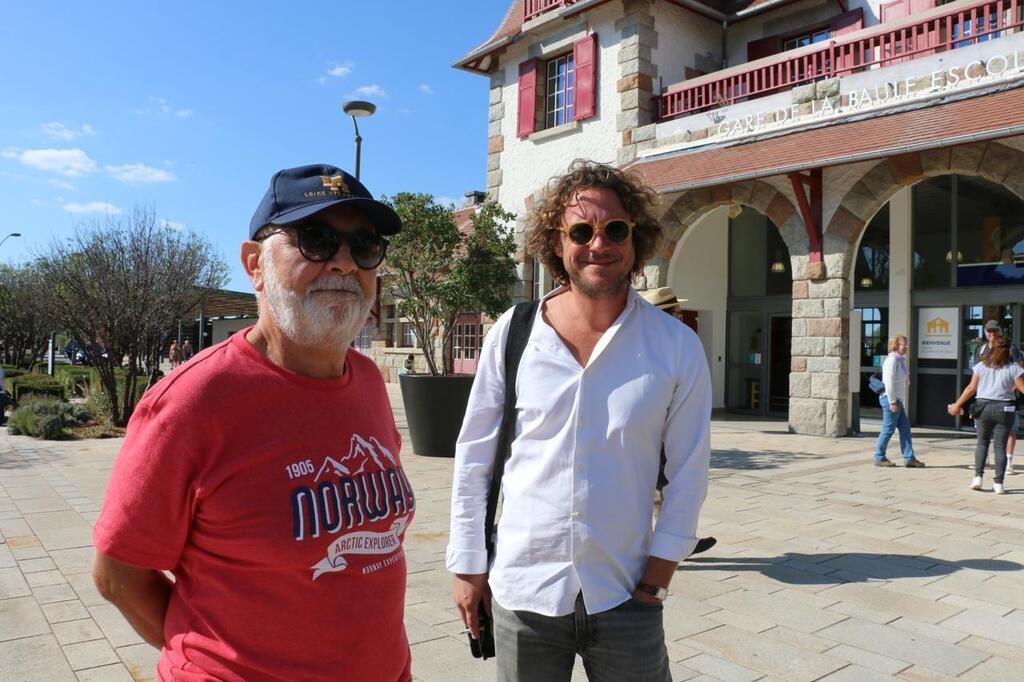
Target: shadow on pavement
(744,460)
(835,568)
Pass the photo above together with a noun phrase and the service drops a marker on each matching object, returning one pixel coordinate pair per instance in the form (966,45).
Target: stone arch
(688,208)
(999,163)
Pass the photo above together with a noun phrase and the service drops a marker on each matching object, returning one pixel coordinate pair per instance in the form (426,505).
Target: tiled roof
(988,116)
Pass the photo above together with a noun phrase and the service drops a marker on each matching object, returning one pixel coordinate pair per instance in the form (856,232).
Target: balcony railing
(874,47)
(535,8)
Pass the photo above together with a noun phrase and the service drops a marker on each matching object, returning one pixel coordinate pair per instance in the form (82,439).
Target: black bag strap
(515,344)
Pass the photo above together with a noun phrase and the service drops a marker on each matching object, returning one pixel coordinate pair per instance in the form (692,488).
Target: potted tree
(435,272)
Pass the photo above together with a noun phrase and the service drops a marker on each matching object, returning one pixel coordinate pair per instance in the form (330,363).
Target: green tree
(117,283)
(437,272)
(24,324)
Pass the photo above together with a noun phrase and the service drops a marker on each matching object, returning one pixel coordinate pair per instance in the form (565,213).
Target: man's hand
(893,407)
(468,590)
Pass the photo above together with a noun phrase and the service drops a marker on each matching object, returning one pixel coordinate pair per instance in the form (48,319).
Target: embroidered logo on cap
(336,184)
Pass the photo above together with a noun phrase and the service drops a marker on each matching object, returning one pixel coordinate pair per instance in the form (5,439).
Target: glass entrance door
(780,343)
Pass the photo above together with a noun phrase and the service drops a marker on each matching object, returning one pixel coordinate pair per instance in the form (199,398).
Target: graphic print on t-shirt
(365,487)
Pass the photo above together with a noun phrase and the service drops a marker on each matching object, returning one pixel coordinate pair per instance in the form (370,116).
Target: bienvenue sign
(938,332)
(998,67)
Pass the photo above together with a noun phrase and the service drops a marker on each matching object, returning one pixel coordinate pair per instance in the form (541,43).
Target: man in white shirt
(606,380)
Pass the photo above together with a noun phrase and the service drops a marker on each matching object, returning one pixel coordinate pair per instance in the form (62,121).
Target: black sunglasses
(582,233)
(319,242)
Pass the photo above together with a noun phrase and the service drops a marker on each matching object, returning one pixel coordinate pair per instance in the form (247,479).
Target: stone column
(901,267)
(819,381)
(495,140)
(636,85)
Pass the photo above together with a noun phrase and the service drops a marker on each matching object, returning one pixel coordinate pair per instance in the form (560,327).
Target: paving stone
(777,608)
(75,560)
(90,654)
(769,657)
(74,631)
(903,646)
(64,611)
(54,593)
(34,658)
(868,659)
(892,601)
(106,673)
(1008,629)
(114,626)
(21,617)
(12,584)
(44,578)
(140,659)
(37,565)
(855,673)
(720,669)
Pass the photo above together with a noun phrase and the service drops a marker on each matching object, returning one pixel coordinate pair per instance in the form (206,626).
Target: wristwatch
(659,593)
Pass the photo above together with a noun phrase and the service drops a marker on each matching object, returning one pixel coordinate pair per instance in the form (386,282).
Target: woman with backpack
(994,380)
(896,377)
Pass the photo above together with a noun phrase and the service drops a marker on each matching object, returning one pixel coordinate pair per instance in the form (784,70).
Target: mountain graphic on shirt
(360,450)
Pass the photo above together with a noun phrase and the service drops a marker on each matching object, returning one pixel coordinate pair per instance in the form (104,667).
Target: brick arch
(999,163)
(687,209)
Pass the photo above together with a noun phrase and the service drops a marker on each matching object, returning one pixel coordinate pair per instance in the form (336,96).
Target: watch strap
(655,591)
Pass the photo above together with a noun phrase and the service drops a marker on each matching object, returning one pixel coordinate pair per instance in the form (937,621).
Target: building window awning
(960,122)
(224,303)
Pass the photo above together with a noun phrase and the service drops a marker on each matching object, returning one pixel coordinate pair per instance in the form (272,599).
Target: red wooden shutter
(765,47)
(528,97)
(584,55)
(848,22)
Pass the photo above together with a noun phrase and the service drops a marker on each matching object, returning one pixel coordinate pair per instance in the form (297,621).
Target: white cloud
(183,113)
(139,172)
(63,184)
(58,131)
(446,201)
(161,107)
(370,91)
(426,89)
(336,71)
(66,162)
(171,225)
(92,207)
(37,202)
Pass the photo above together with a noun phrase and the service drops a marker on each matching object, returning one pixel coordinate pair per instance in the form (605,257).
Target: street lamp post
(356,109)
(12,234)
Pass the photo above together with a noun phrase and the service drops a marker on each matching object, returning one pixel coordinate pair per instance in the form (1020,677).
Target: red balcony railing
(870,48)
(534,8)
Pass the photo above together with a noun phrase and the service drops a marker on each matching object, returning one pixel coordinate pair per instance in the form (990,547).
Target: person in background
(994,381)
(3,398)
(174,354)
(994,331)
(896,377)
(664,298)
(410,364)
(186,350)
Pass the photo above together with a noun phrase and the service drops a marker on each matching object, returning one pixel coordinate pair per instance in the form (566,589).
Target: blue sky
(191,106)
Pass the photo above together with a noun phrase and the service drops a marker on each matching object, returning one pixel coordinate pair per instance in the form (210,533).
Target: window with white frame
(364,340)
(560,83)
(538,280)
(466,342)
(408,335)
(807,39)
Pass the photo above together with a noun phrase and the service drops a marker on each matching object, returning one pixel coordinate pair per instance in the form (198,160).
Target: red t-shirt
(279,503)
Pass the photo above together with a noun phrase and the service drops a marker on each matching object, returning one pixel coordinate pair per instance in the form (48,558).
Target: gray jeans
(993,426)
(625,643)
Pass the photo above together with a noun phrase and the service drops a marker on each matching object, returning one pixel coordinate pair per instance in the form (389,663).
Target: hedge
(47,419)
(36,384)
(74,378)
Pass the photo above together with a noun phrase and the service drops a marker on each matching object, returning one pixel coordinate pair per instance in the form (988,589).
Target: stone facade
(495,139)
(636,86)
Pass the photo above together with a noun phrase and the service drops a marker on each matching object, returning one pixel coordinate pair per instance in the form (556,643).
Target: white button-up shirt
(579,486)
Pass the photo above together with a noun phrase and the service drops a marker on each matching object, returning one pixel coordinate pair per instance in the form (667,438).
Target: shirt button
(575,515)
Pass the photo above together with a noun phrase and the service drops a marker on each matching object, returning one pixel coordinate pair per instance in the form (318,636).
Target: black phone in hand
(483,647)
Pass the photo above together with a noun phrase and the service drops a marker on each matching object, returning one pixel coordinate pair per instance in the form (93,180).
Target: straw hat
(662,297)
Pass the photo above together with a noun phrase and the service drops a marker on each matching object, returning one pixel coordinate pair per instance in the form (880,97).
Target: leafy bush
(75,379)
(36,384)
(47,418)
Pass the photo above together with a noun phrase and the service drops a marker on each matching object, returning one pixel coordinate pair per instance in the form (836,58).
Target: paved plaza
(826,567)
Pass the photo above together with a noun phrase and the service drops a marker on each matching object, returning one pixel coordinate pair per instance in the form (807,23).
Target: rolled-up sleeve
(687,461)
(474,456)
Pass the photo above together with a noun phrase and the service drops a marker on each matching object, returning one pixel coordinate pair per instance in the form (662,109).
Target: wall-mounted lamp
(959,256)
(866,282)
(734,211)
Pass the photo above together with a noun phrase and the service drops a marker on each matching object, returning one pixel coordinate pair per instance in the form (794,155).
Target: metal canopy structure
(222,303)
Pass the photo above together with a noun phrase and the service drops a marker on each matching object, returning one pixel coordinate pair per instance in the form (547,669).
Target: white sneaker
(1009,465)
(997,488)
(976,483)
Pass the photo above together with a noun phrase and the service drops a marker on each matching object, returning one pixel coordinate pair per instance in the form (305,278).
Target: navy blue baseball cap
(297,193)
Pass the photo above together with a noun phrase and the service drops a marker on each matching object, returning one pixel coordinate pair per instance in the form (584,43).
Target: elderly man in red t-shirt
(264,474)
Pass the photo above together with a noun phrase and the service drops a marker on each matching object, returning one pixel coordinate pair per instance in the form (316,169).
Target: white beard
(316,320)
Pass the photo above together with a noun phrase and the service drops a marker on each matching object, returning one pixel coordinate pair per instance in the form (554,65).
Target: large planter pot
(434,408)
